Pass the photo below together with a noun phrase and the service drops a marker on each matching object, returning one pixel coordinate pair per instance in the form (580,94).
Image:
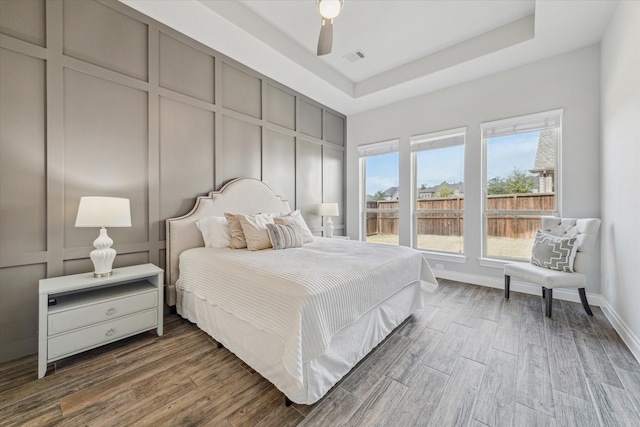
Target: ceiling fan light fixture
(329,9)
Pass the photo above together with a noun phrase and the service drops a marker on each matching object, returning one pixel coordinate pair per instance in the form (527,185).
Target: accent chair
(560,257)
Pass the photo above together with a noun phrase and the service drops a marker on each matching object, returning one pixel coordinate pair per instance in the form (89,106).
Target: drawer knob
(110,332)
(110,311)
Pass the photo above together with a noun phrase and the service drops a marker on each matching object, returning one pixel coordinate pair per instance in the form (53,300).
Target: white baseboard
(517,286)
(627,335)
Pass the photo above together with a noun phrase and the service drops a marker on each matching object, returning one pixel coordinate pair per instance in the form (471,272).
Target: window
(379,192)
(521,181)
(438,165)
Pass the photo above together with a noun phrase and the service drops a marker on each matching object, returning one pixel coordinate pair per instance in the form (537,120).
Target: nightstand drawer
(77,314)
(101,333)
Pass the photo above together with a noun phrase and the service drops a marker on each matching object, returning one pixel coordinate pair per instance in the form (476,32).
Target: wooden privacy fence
(452,224)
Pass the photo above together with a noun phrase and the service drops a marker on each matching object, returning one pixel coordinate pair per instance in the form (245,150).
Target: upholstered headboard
(242,195)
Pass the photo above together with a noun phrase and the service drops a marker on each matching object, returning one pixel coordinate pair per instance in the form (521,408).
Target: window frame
(434,141)
(551,119)
(369,150)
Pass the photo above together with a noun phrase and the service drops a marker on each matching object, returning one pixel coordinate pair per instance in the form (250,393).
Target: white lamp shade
(329,9)
(328,209)
(103,212)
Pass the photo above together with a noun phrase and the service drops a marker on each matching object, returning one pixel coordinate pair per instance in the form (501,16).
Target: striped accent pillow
(283,236)
(553,252)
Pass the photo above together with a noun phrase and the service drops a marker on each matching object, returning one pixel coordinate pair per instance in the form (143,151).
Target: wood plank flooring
(469,358)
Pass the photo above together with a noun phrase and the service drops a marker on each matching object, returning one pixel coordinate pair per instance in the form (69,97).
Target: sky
(435,166)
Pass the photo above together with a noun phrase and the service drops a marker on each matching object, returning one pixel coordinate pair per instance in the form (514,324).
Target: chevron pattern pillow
(555,253)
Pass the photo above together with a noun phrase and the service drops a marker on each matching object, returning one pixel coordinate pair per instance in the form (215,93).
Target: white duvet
(303,295)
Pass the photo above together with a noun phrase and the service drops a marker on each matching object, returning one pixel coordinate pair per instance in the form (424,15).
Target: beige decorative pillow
(255,231)
(238,240)
(297,221)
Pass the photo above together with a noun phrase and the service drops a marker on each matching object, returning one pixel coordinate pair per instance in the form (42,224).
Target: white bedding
(305,295)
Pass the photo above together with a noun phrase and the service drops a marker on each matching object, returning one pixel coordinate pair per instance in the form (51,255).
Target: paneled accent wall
(98,99)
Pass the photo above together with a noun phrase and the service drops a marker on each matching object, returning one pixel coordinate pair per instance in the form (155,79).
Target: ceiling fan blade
(325,41)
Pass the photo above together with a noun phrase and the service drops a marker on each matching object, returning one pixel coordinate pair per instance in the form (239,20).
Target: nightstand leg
(42,334)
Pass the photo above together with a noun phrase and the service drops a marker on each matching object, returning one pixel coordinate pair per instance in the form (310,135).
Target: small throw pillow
(237,240)
(284,236)
(296,220)
(255,231)
(552,252)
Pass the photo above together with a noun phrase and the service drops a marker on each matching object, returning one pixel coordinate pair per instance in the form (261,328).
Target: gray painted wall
(98,99)
(570,81)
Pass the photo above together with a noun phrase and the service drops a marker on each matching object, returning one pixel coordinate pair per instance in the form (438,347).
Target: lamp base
(103,274)
(329,228)
(103,255)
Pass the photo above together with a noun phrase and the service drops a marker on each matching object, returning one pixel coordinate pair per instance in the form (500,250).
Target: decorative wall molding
(100,99)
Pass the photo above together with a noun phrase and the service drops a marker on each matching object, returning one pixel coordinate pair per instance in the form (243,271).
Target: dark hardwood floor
(469,358)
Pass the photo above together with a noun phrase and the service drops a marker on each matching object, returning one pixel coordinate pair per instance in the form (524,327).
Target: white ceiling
(391,33)
(412,47)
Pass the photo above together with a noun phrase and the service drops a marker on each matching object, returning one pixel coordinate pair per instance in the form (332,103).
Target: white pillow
(295,219)
(255,231)
(219,232)
(203,226)
(215,231)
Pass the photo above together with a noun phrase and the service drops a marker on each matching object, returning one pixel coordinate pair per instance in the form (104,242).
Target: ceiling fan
(329,9)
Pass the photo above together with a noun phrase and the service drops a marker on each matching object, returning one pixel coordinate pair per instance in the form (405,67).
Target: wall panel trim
(100,107)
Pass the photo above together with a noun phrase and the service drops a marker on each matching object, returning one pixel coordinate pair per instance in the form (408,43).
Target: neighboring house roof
(457,187)
(389,192)
(546,153)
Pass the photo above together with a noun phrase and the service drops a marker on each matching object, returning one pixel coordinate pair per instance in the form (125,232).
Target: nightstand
(341,237)
(81,312)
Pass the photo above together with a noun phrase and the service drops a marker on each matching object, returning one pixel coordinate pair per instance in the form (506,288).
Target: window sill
(437,256)
(497,262)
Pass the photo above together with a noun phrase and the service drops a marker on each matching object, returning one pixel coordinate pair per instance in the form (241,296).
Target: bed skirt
(263,351)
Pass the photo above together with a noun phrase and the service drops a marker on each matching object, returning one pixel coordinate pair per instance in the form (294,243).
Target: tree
(444,191)
(422,187)
(380,195)
(517,182)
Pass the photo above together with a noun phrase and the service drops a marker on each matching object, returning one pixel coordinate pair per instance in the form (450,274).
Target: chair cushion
(555,253)
(544,276)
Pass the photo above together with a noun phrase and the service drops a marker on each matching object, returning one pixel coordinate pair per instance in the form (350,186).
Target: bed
(301,317)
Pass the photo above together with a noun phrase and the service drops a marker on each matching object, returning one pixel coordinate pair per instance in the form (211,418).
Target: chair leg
(585,303)
(549,298)
(507,283)
(544,292)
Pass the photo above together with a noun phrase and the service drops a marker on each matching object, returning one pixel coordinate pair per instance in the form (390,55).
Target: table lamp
(328,210)
(103,212)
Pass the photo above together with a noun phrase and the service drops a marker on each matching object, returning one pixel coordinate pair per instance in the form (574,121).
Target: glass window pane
(440,173)
(382,227)
(511,236)
(440,187)
(521,176)
(523,163)
(440,232)
(381,180)
(381,189)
